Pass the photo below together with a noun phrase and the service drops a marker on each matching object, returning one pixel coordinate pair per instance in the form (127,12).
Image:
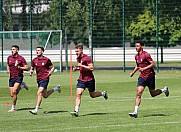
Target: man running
(16,64)
(44,69)
(86,78)
(145,65)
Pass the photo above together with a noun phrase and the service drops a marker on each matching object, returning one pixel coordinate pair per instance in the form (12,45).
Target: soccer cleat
(34,112)
(23,85)
(105,95)
(166,91)
(59,89)
(134,114)
(11,110)
(74,113)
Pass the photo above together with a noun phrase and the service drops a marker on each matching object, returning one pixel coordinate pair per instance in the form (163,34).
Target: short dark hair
(140,42)
(79,46)
(15,46)
(41,48)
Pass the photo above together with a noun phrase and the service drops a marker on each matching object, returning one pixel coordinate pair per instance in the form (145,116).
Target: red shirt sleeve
(49,62)
(89,60)
(24,61)
(148,57)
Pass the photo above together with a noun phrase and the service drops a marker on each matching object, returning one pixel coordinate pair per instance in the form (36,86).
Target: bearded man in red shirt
(16,64)
(86,78)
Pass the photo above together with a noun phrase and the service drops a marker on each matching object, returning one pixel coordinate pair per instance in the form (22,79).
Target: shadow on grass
(53,112)
(21,109)
(155,115)
(92,114)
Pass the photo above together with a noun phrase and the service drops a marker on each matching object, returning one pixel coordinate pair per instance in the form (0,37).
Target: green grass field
(155,114)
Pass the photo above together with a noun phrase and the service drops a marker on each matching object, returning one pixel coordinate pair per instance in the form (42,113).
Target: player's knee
(15,92)
(78,94)
(39,93)
(11,94)
(139,94)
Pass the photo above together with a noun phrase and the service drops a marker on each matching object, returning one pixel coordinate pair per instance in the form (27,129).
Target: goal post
(51,40)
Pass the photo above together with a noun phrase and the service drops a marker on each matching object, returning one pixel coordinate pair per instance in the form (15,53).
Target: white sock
(136,109)
(163,90)
(55,88)
(36,108)
(77,108)
(13,107)
(103,93)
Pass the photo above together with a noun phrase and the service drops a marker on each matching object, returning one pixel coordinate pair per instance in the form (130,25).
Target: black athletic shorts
(43,83)
(89,84)
(149,82)
(12,81)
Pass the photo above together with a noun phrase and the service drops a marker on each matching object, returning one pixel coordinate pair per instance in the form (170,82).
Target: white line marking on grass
(114,125)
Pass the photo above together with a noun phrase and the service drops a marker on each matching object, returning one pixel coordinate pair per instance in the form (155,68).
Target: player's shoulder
(20,56)
(45,58)
(86,56)
(34,59)
(146,53)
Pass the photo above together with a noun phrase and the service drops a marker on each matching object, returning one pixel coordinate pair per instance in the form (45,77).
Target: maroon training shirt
(15,71)
(85,75)
(142,61)
(42,67)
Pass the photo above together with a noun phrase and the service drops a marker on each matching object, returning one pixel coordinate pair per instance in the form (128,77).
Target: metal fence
(99,25)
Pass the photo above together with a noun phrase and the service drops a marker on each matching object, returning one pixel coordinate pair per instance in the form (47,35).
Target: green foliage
(144,26)
(8,16)
(75,17)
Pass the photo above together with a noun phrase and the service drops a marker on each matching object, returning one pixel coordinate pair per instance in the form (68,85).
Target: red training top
(14,70)
(85,75)
(42,67)
(142,61)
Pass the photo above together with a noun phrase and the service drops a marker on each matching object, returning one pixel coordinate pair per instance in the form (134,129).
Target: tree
(8,25)
(144,26)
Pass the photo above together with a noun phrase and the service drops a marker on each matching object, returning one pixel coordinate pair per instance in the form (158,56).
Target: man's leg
(156,92)
(153,92)
(79,93)
(23,85)
(39,100)
(46,93)
(139,93)
(93,93)
(98,94)
(43,92)
(13,93)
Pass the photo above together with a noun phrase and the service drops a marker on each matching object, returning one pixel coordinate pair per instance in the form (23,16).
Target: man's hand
(31,73)
(75,68)
(80,64)
(131,74)
(8,71)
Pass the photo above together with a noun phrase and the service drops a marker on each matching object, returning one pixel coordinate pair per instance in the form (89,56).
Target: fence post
(157,28)
(123,34)
(90,30)
(60,20)
(31,43)
(1,35)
